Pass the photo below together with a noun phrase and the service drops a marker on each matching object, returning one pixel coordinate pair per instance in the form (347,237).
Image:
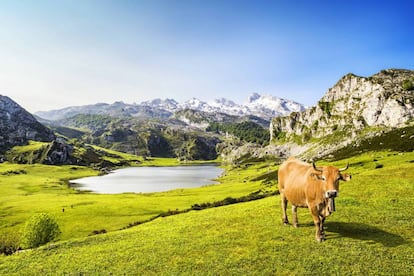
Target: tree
(38,230)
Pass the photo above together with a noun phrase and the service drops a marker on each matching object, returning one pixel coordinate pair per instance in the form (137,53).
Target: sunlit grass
(41,188)
(370,233)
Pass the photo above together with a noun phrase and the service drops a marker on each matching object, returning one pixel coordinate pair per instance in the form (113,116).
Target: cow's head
(329,177)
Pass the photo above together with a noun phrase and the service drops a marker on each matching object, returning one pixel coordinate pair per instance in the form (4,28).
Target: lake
(149,179)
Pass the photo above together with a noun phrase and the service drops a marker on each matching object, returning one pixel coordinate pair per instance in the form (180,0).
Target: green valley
(371,232)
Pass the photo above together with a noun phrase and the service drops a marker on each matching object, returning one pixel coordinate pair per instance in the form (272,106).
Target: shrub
(8,244)
(39,229)
(408,85)
(98,232)
(281,135)
(326,107)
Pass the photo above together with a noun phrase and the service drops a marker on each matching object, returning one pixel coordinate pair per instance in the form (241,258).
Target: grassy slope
(43,188)
(371,233)
(36,152)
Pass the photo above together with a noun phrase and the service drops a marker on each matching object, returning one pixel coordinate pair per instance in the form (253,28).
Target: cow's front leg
(284,206)
(322,219)
(295,215)
(319,235)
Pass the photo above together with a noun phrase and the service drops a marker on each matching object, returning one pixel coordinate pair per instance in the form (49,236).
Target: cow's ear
(346,177)
(316,176)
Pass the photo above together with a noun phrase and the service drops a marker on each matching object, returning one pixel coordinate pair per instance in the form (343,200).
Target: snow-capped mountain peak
(222,102)
(271,105)
(167,104)
(264,106)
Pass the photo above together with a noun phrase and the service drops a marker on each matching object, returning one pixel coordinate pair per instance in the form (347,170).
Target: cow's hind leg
(284,206)
(295,215)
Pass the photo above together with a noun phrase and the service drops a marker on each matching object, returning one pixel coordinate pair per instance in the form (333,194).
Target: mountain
(116,109)
(189,130)
(25,140)
(355,109)
(358,114)
(17,126)
(138,136)
(265,107)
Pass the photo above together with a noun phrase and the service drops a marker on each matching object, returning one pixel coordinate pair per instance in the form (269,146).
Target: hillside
(354,110)
(17,126)
(24,140)
(166,128)
(249,238)
(143,137)
(61,152)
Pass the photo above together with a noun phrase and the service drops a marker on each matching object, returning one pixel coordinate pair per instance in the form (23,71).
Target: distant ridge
(263,106)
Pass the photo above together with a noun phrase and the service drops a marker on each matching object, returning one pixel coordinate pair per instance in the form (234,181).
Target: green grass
(29,189)
(28,153)
(371,232)
(399,139)
(32,146)
(115,157)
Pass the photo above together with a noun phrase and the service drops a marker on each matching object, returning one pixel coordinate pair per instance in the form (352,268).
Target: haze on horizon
(55,54)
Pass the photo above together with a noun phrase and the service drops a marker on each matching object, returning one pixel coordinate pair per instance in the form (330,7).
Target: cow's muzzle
(331,194)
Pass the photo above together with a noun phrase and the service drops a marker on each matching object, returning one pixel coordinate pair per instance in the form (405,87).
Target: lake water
(149,179)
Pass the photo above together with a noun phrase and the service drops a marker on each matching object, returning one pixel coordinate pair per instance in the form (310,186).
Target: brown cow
(305,185)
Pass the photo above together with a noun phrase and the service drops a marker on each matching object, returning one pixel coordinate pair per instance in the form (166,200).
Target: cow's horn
(314,166)
(343,169)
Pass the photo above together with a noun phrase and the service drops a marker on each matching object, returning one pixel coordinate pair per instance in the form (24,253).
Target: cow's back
(292,179)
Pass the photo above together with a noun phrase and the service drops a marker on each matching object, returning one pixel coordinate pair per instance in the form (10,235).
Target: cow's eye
(323,178)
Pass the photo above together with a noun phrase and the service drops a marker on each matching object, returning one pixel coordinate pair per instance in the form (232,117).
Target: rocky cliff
(353,106)
(17,126)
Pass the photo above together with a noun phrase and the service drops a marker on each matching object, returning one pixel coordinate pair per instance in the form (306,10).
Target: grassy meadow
(30,189)
(371,233)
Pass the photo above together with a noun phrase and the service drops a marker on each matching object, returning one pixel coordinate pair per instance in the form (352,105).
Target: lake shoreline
(149,179)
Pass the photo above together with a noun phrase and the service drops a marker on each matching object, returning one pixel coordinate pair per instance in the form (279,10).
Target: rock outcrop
(355,104)
(17,126)
(59,153)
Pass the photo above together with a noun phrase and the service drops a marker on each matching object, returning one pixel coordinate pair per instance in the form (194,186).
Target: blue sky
(55,54)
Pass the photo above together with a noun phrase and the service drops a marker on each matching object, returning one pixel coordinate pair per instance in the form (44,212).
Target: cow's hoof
(295,225)
(320,239)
